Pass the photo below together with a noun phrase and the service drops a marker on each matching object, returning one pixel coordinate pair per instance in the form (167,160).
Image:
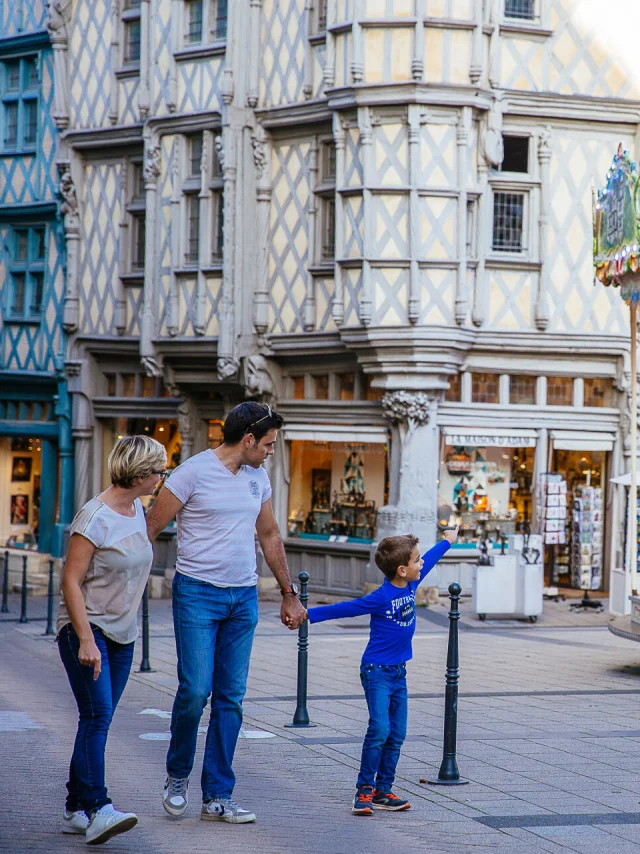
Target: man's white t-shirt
(216,525)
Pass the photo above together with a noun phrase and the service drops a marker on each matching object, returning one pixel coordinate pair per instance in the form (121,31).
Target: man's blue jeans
(97,700)
(214,629)
(385,687)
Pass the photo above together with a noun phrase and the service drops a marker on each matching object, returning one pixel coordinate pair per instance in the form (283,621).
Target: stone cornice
(307,112)
(306,344)
(184,122)
(105,137)
(138,407)
(356,412)
(580,108)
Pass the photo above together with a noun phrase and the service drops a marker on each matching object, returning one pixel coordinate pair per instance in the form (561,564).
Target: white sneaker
(108,822)
(225,809)
(174,797)
(74,822)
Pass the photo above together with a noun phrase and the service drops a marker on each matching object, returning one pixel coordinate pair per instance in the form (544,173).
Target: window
(522,390)
(454,393)
(346,386)
(321,15)
(191,190)
(217,210)
(508,220)
(484,388)
(137,210)
(193,229)
(559,391)
(322,387)
(132,30)
(205,21)
(298,388)
(111,384)
(598,392)
(373,393)
(128,385)
(326,192)
(195,155)
(149,386)
(519,9)
(516,154)
(19,87)
(27,259)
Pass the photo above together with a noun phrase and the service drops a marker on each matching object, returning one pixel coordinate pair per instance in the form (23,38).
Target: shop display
(554,523)
(586,539)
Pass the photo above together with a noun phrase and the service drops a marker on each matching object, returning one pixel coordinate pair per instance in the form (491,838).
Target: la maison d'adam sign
(487,439)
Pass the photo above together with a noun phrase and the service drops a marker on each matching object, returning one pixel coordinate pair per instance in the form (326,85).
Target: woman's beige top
(118,572)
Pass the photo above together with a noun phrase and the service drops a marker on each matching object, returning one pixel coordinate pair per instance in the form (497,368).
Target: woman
(105,574)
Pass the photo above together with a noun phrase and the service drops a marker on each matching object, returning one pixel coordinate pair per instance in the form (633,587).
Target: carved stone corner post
(152,169)
(58,19)
(338,294)
(71,218)
(312,210)
(462,139)
(414,128)
(262,163)
(253,94)
(176,222)
(543,310)
(413,466)
(228,362)
(368,218)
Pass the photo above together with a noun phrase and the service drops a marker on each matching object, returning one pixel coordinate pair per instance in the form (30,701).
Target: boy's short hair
(393,552)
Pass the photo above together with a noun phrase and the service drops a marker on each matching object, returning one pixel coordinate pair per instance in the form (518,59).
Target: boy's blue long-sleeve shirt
(393,614)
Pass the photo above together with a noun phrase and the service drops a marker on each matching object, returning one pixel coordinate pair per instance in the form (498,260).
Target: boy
(383,671)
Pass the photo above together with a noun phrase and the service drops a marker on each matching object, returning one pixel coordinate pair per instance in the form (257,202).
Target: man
(220,498)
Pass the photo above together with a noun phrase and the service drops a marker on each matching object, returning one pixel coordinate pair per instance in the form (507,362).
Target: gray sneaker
(224,809)
(174,797)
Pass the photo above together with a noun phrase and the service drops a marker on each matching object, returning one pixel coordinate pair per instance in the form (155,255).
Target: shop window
(214,434)
(321,384)
(485,490)
(523,9)
(27,263)
(326,193)
(454,393)
(163,430)
(298,388)
(346,386)
(598,392)
(149,386)
(522,390)
(19,87)
(128,385)
(516,154)
(335,489)
(373,393)
(132,32)
(485,388)
(508,222)
(111,384)
(559,391)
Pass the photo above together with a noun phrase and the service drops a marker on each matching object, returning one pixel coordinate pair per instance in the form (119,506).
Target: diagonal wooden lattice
(288,244)
(101,208)
(437,227)
(391,224)
(324,291)
(511,295)
(352,284)
(438,155)
(354,227)
(133,301)
(390,296)
(391,155)
(199,85)
(283,48)
(352,158)
(437,297)
(21,16)
(128,102)
(90,64)
(162,57)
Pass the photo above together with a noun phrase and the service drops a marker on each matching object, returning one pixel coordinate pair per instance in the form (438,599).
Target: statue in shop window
(354,474)
(461,495)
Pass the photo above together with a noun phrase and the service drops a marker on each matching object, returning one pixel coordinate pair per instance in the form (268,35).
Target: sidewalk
(549,736)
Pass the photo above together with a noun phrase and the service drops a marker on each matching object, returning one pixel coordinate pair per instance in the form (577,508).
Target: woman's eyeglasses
(162,473)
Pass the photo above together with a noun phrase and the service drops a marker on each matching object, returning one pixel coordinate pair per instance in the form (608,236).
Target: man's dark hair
(393,552)
(250,417)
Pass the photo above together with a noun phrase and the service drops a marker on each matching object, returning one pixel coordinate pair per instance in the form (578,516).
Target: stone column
(338,293)
(417,61)
(82,438)
(414,212)
(176,223)
(330,63)
(462,139)
(69,211)
(228,362)
(262,162)
(312,210)
(255,10)
(357,61)
(152,169)
(543,312)
(146,19)
(204,242)
(413,467)
(58,18)
(368,224)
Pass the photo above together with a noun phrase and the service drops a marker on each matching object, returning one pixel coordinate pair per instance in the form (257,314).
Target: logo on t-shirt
(402,611)
(254,488)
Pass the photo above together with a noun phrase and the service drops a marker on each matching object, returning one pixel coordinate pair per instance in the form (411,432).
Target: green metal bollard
(23,603)
(301,715)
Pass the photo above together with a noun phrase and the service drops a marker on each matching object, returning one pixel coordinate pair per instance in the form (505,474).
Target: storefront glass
(23,459)
(487,491)
(336,489)
(165,430)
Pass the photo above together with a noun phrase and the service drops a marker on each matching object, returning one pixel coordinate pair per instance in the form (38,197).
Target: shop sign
(480,440)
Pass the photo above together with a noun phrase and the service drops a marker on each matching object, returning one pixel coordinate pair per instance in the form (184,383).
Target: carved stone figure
(491,140)
(152,164)
(58,16)
(152,367)
(220,151)
(411,408)
(259,154)
(258,382)
(544,146)
(66,187)
(227,367)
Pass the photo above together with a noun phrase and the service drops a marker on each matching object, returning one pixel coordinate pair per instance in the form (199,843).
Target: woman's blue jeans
(97,700)
(214,629)
(385,688)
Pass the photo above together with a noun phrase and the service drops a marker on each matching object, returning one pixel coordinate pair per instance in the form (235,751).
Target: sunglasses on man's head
(253,423)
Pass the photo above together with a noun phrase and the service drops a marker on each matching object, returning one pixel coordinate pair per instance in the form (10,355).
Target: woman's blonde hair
(135,456)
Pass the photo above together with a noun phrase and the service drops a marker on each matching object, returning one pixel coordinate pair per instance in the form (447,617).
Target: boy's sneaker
(389,801)
(74,822)
(108,822)
(224,809)
(363,801)
(174,797)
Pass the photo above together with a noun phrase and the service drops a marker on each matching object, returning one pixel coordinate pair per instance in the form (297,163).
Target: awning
(568,440)
(479,437)
(335,433)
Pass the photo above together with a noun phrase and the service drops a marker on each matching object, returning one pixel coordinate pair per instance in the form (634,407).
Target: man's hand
(452,535)
(292,613)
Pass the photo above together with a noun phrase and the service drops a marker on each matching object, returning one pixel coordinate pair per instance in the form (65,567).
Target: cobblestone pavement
(549,737)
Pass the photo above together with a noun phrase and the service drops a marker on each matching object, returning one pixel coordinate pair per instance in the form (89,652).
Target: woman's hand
(89,656)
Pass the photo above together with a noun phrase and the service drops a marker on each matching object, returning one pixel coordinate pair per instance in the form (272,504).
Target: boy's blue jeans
(214,629)
(97,700)
(385,687)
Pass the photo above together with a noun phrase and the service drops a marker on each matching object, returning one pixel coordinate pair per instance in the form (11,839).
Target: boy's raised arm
(438,551)
(352,608)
